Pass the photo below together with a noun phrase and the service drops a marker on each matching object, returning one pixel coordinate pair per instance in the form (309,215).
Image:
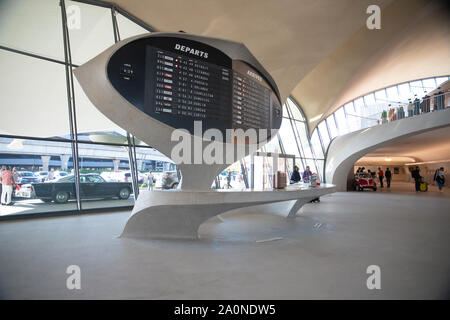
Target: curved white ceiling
(321,51)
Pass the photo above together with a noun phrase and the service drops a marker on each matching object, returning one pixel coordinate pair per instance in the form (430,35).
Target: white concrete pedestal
(177,214)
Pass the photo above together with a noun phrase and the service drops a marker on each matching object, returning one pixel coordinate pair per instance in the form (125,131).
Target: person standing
(380,176)
(150,180)
(7,186)
(440,178)
(229,180)
(307,174)
(417,178)
(388,175)
(16,176)
(295,176)
(51,175)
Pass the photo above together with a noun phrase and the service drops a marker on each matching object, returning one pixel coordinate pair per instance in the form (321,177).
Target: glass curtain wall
(293,146)
(49,130)
(385,105)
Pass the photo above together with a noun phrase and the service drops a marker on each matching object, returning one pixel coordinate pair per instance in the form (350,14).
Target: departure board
(178,81)
(186,87)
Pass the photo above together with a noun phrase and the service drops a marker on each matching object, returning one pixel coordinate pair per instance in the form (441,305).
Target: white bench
(177,214)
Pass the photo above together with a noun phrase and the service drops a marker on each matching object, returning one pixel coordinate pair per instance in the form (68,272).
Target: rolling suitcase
(279,180)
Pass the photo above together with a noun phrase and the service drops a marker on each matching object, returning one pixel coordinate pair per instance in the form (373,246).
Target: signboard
(178,81)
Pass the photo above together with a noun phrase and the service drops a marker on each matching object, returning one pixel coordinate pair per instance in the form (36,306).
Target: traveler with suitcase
(417,178)
(440,178)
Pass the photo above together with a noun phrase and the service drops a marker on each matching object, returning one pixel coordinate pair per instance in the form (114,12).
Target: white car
(41,175)
(56,175)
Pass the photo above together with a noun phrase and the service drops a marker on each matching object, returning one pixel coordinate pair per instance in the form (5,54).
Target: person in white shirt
(51,175)
(150,180)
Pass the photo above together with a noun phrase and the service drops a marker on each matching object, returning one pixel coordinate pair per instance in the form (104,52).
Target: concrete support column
(64,161)
(116,164)
(45,162)
(166,166)
(140,164)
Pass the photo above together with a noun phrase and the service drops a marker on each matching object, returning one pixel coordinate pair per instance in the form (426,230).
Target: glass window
(341,121)
(303,138)
(300,165)
(320,169)
(332,126)
(273,145)
(36,162)
(371,106)
(93,35)
(429,84)
(106,172)
(32,26)
(285,112)
(417,89)
(441,80)
(34,90)
(404,92)
(324,134)
(92,124)
(315,142)
(295,112)
(352,118)
(392,94)
(287,138)
(128,28)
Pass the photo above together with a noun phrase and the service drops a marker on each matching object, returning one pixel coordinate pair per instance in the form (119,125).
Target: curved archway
(345,150)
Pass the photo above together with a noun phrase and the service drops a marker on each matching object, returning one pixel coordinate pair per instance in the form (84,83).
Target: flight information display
(179,81)
(182,86)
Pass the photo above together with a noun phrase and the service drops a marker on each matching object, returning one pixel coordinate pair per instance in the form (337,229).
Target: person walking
(380,176)
(388,175)
(307,174)
(417,178)
(7,186)
(150,180)
(295,176)
(440,179)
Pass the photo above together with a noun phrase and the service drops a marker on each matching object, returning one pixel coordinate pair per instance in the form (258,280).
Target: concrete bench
(177,214)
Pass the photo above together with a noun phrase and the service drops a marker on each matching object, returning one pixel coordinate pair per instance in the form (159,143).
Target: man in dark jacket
(417,178)
(295,176)
(388,175)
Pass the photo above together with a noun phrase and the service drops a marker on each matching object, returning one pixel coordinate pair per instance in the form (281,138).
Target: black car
(91,186)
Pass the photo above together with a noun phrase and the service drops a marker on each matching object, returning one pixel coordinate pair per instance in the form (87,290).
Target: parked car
(364,181)
(169,180)
(27,177)
(91,186)
(59,174)
(24,191)
(121,176)
(41,175)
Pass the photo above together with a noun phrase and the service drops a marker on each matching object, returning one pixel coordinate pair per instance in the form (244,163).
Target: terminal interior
(338,80)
